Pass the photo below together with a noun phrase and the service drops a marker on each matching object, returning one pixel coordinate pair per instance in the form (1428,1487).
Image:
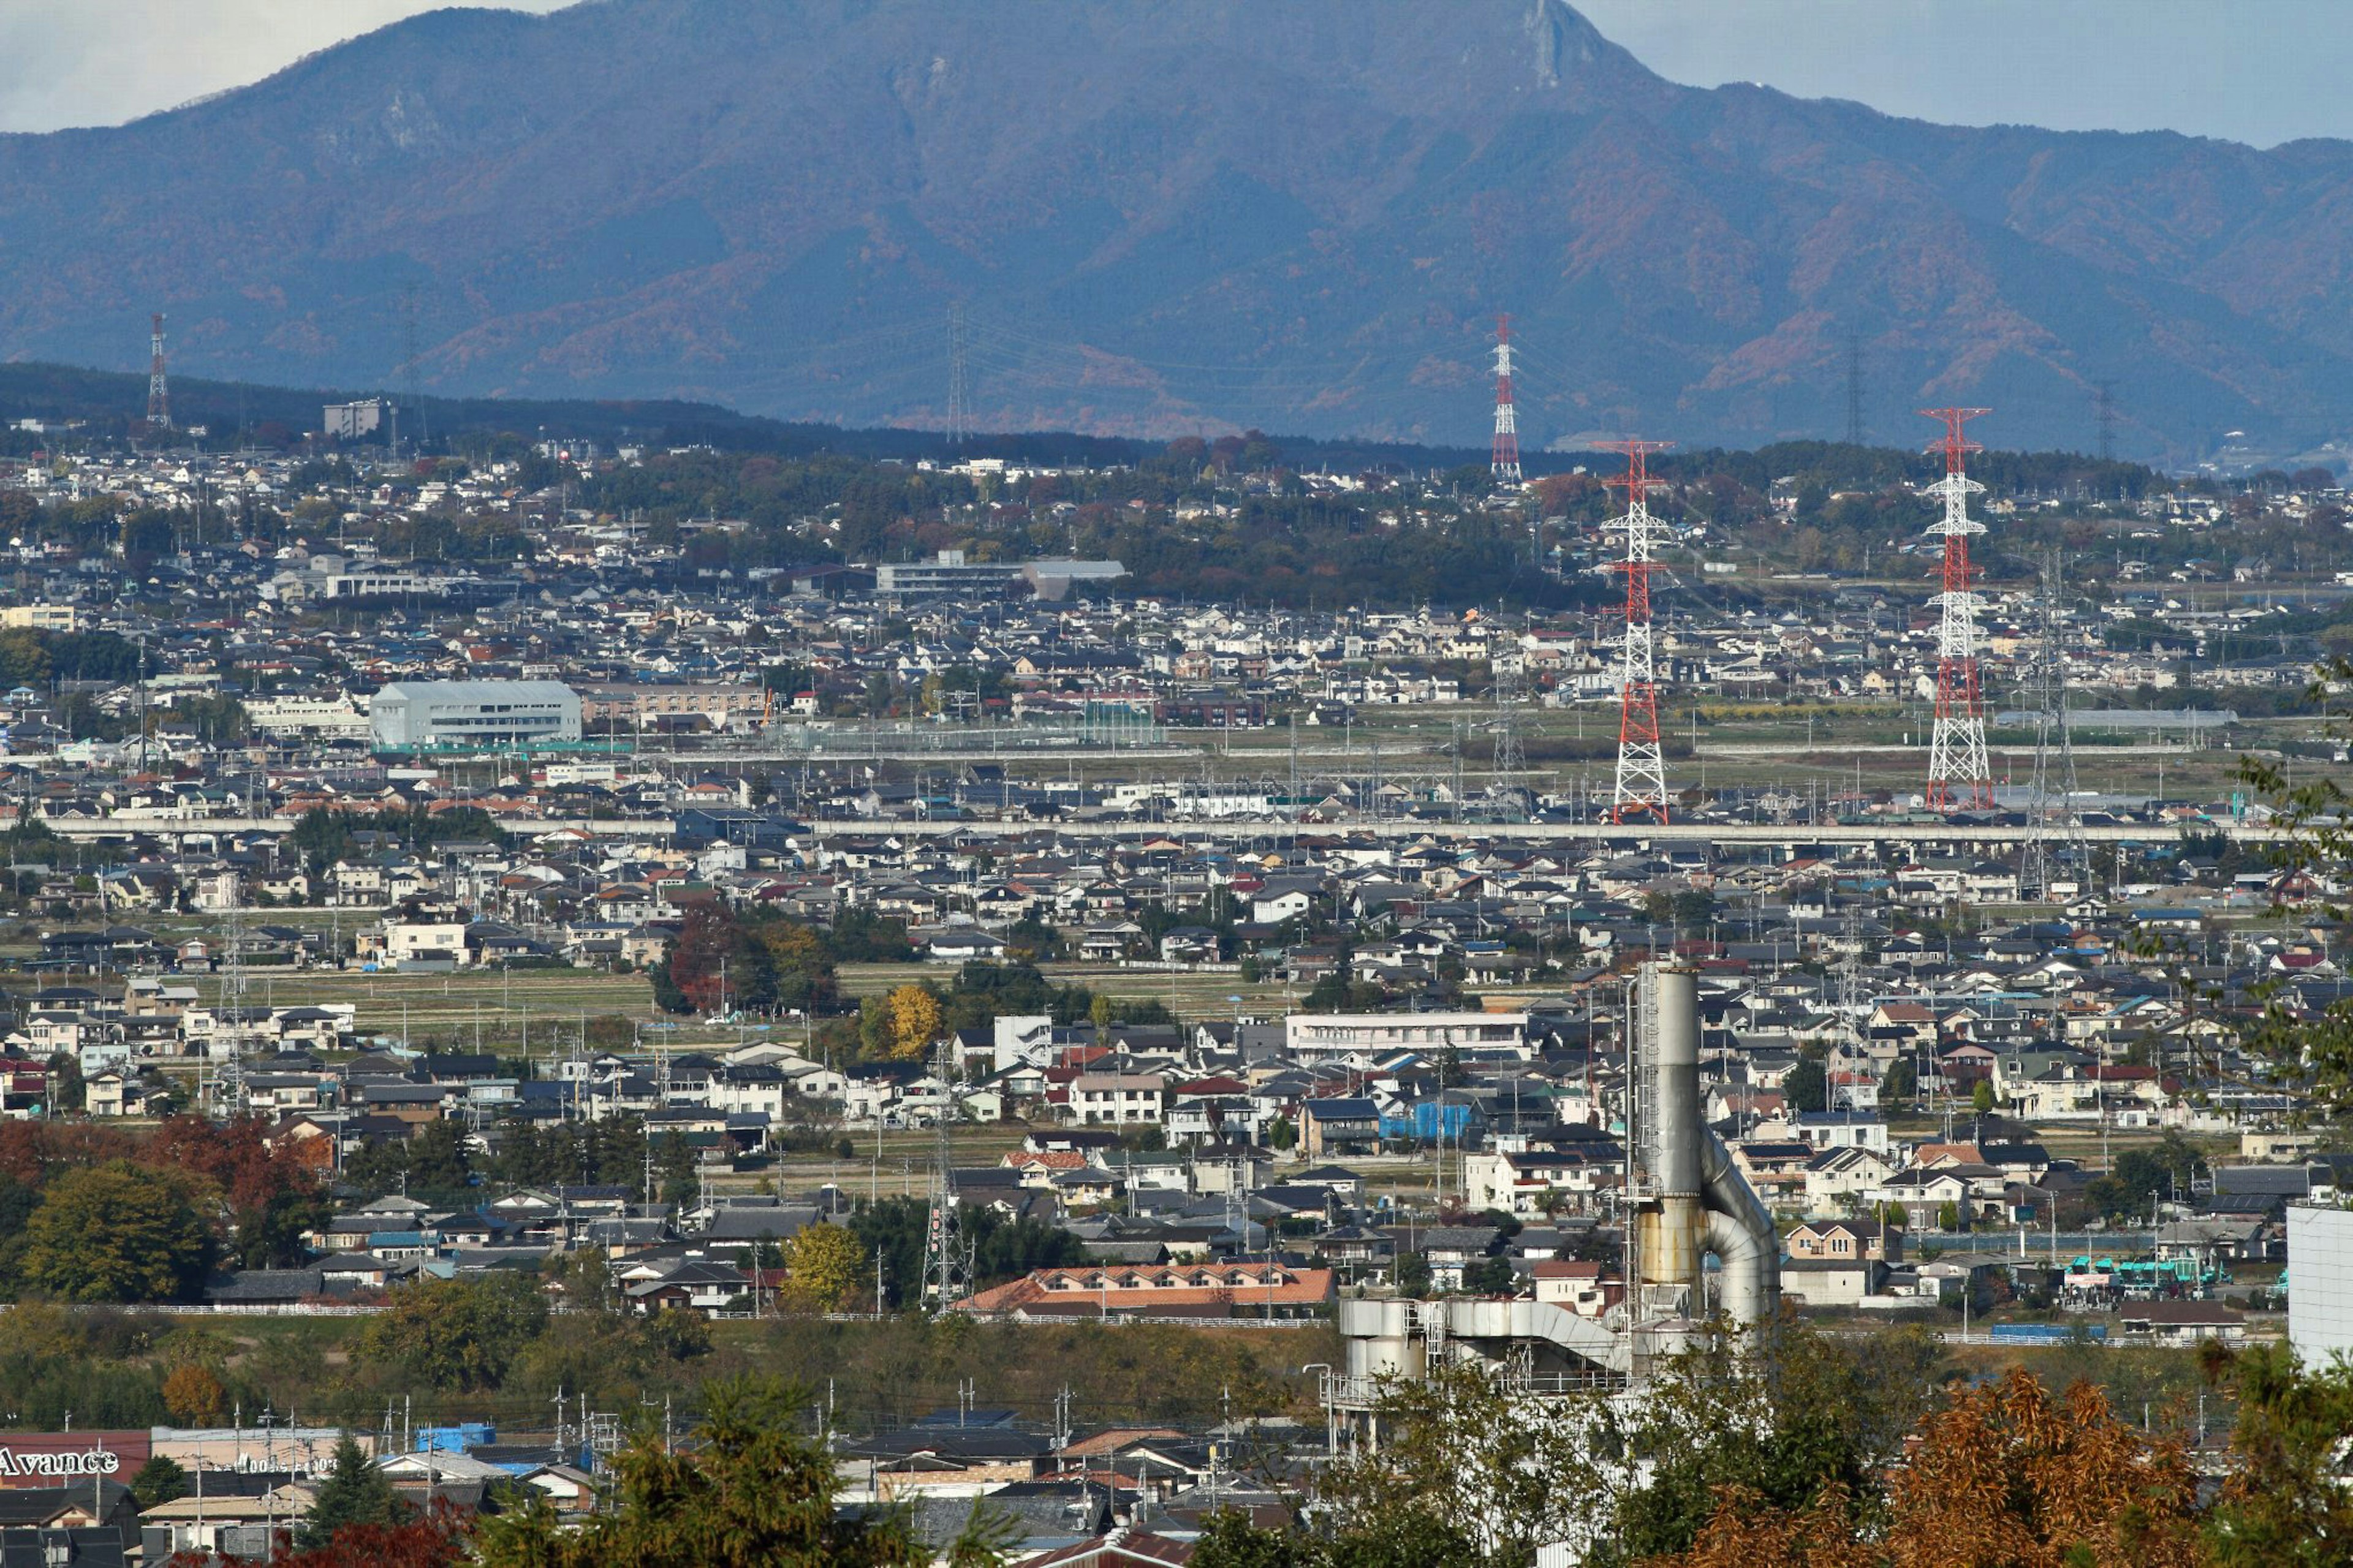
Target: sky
(2263,72)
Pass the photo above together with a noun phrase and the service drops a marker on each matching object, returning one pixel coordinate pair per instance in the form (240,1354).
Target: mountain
(1172,216)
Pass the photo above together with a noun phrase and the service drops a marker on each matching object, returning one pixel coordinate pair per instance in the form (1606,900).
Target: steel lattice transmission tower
(1641,786)
(159,396)
(2049,804)
(1961,775)
(948,1247)
(1510,691)
(959,391)
(1503,462)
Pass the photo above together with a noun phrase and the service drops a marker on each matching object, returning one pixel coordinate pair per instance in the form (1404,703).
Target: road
(129,825)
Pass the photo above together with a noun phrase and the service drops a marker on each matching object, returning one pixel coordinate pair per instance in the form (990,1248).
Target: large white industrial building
(2319,1281)
(412,714)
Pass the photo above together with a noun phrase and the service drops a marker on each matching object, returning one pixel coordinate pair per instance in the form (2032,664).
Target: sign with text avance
(61,1458)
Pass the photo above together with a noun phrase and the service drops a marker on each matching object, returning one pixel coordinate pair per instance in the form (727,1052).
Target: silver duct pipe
(1701,1203)
(1741,1235)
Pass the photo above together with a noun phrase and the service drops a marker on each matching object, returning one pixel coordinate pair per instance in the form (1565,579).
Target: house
(1836,1178)
(1579,1287)
(1117,1099)
(2184,1322)
(1843,1240)
(1833,1282)
(1120,1549)
(1331,1126)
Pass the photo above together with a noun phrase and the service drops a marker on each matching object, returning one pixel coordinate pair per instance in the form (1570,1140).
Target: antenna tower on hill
(1642,787)
(1961,775)
(1504,462)
(159,396)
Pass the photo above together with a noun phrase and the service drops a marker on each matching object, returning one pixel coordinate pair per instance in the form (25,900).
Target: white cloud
(100,62)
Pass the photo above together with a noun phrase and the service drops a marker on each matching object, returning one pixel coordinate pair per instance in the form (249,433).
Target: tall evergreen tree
(354,1492)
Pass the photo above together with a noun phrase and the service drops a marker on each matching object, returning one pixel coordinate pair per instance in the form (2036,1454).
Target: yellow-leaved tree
(914,1021)
(824,1270)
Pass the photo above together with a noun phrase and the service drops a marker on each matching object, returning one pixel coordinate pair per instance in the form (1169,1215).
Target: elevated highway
(180,829)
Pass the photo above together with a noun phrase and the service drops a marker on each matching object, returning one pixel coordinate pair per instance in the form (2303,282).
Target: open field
(1189,994)
(497,1008)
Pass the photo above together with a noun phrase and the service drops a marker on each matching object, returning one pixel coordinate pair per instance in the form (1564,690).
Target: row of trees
(1823,1454)
(1812,1457)
(90,1213)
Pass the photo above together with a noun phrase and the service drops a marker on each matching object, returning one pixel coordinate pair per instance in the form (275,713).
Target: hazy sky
(2255,71)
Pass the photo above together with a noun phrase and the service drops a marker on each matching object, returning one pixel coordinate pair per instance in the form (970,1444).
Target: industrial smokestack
(1697,1201)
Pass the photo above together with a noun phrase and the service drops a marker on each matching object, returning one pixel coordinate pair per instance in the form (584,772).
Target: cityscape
(1118,961)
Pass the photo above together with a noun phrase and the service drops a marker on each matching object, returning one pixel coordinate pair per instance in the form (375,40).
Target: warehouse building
(2319,1281)
(410,715)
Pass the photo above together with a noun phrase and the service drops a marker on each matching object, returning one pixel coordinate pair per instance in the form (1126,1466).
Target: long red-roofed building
(1163,1290)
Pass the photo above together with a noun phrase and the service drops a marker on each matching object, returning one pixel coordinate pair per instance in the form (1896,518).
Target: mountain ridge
(1165,218)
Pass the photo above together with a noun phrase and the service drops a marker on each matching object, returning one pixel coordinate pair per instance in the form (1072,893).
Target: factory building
(412,715)
(2319,1281)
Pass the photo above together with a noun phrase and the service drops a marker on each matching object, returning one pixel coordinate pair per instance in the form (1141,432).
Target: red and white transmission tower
(1504,462)
(1960,775)
(159,400)
(1642,787)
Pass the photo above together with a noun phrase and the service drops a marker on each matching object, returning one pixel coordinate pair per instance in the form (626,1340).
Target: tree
(751,1490)
(323,838)
(2284,1501)
(826,1269)
(441,1540)
(456,1334)
(432,1159)
(1490,1276)
(714,964)
(915,1020)
(67,1090)
(1465,1473)
(1981,1098)
(159,1480)
(195,1397)
(2004,1474)
(804,970)
(1807,1086)
(117,1232)
(354,1493)
(1779,1424)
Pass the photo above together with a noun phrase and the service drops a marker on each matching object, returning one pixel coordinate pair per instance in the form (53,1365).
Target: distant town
(715,890)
